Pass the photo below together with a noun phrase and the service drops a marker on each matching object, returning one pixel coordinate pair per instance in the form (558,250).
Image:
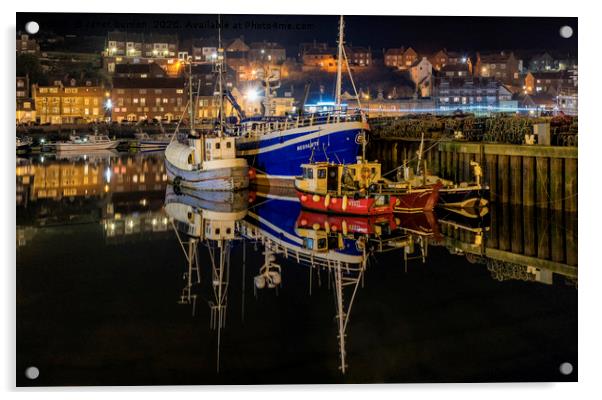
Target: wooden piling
(449,167)
(542,182)
(493,238)
(516,177)
(504,230)
(570,225)
(503,176)
(570,184)
(466,167)
(529,234)
(543,233)
(517,229)
(557,235)
(528,181)
(556,186)
(491,175)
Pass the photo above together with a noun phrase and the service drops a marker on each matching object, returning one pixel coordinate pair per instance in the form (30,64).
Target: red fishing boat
(346,224)
(344,189)
(360,189)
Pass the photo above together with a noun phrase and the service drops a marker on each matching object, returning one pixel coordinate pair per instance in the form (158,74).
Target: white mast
(339,65)
(220,60)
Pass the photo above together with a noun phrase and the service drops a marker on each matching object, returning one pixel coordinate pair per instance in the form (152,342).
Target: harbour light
(252,94)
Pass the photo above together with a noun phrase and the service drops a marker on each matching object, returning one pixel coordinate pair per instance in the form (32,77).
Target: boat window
(310,173)
(373,170)
(208,145)
(217,146)
(228,145)
(321,173)
(308,243)
(322,243)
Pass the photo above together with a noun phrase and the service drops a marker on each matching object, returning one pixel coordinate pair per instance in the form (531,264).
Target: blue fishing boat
(276,147)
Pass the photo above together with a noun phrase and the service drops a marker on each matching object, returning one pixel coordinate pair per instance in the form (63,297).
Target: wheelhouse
(327,178)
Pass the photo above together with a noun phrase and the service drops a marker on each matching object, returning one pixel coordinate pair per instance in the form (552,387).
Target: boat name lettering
(308,145)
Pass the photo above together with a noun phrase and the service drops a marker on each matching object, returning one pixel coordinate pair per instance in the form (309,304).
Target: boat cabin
(318,240)
(219,148)
(323,178)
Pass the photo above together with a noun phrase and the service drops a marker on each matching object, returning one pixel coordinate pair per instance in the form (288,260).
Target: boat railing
(263,127)
(301,255)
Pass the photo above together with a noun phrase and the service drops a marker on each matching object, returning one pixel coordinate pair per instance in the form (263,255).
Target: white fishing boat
(207,161)
(23,143)
(157,141)
(86,143)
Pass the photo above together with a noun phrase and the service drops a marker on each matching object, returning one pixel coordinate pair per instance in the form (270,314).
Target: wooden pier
(529,175)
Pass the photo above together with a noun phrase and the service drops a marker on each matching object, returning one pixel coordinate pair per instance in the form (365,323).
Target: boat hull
(418,200)
(86,146)
(208,200)
(346,224)
(218,179)
(469,197)
(277,156)
(372,205)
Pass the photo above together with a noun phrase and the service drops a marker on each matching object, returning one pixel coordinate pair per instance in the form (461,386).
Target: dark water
(105,295)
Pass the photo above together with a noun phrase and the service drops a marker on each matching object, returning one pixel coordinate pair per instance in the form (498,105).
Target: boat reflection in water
(213,223)
(65,204)
(335,245)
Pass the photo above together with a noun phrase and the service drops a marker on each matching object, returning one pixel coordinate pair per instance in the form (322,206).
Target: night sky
(423,33)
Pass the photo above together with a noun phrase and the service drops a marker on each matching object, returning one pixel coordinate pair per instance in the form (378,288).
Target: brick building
(26,111)
(64,104)
(134,99)
(502,66)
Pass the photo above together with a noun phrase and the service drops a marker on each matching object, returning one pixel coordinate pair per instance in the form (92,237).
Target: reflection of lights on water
(154,221)
(131,223)
(112,226)
(42,159)
(165,221)
(108,175)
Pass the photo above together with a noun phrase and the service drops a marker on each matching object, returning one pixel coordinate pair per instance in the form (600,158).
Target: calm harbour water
(105,295)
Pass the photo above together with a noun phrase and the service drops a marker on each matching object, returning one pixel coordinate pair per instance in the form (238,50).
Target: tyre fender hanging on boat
(344,205)
(327,200)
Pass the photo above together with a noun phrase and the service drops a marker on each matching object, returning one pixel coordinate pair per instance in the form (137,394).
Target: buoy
(252,173)
(259,282)
(334,201)
(326,200)
(303,197)
(344,202)
(316,226)
(316,198)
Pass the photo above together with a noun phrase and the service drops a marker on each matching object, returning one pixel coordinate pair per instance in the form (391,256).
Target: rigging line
(175,132)
(412,159)
(357,96)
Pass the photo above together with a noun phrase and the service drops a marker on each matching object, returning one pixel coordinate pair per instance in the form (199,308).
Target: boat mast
(190,96)
(220,60)
(339,65)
